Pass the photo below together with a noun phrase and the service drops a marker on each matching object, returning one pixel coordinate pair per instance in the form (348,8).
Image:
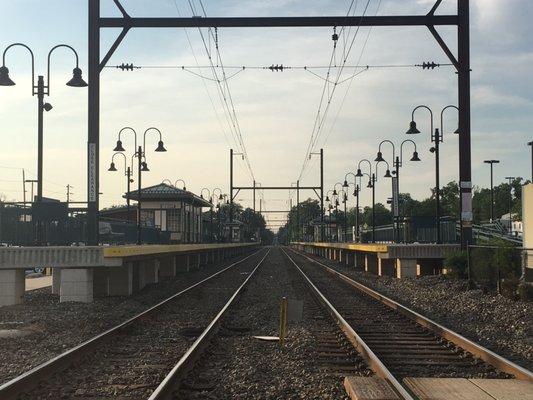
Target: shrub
(458,262)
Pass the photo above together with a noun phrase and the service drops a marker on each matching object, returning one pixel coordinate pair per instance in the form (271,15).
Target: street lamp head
(456,131)
(144,167)
(345,184)
(413,130)
(388,174)
(334,192)
(160,147)
(47,107)
(327,198)
(369,184)
(221,197)
(5,80)
(112,167)
(359,174)
(119,146)
(415,156)
(355,193)
(77,80)
(379,157)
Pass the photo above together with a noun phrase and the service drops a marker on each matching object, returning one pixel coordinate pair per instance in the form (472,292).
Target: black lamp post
(436,138)
(142,166)
(40,90)
(371,185)
(397,162)
(341,194)
(510,179)
(127,173)
(346,185)
(491,163)
(215,198)
(210,213)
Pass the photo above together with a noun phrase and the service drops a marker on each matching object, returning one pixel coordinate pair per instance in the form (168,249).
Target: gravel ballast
(43,328)
(502,325)
(237,366)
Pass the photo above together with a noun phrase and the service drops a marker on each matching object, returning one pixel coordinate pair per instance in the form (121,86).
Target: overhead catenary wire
(222,84)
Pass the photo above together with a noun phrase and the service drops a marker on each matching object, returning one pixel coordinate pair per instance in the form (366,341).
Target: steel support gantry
(461,62)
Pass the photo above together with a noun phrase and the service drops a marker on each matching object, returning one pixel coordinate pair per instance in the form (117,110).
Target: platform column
(76,285)
(167,268)
(406,268)
(120,280)
(56,280)
(12,286)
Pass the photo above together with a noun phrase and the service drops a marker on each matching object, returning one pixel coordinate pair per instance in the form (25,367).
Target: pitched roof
(162,191)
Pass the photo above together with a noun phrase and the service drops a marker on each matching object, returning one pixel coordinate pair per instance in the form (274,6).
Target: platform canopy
(165,192)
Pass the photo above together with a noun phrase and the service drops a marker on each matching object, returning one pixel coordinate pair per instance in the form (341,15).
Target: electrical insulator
(335,37)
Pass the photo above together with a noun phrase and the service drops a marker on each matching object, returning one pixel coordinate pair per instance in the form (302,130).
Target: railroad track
(202,372)
(395,341)
(133,358)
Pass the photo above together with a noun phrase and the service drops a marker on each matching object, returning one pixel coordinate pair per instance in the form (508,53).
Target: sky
(275,111)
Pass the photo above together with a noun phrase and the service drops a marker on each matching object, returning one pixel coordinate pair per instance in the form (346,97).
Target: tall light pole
(209,196)
(397,161)
(436,138)
(142,166)
(128,173)
(510,180)
(40,90)
(491,163)
(356,195)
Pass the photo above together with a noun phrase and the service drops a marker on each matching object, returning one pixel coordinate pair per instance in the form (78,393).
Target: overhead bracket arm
(439,39)
(120,37)
(444,46)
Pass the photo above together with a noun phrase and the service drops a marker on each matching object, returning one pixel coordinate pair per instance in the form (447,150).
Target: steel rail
(30,379)
(490,357)
(364,350)
(186,363)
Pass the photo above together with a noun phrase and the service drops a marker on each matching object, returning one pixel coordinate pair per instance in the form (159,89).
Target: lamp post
(142,166)
(346,185)
(218,199)
(211,211)
(371,185)
(491,163)
(329,208)
(40,90)
(510,180)
(397,161)
(341,190)
(127,173)
(436,138)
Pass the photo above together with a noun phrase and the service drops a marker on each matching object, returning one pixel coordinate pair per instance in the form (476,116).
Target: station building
(171,210)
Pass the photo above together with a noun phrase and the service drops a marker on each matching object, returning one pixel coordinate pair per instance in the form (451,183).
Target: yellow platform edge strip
(370,247)
(129,251)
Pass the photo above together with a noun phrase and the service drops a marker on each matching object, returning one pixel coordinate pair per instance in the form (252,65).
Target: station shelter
(172,210)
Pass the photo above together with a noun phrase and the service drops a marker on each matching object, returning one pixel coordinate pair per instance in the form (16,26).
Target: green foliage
(504,195)
(458,262)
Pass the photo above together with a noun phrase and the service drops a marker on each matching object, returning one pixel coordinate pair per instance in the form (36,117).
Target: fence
(19,227)
(413,230)
(497,268)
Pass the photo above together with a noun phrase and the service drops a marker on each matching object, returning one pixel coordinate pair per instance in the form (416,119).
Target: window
(174,220)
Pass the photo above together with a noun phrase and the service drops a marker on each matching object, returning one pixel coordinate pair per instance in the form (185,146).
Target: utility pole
(69,193)
(254,195)
(321,194)
(24,191)
(491,163)
(465,152)
(298,210)
(510,179)
(230,186)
